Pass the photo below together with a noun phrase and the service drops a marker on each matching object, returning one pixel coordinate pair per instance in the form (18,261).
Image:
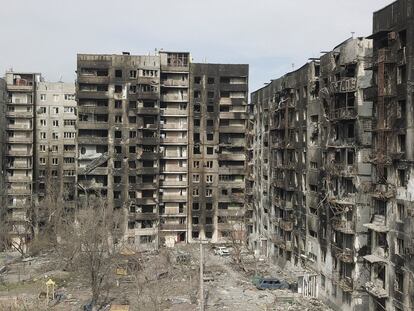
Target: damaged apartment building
(159,136)
(390,255)
(35,140)
(337,200)
(313,205)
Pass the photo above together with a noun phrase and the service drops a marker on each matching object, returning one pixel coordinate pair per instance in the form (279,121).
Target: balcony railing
(344,86)
(344,113)
(344,226)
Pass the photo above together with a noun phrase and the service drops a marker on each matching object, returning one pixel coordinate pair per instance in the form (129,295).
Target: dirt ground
(162,284)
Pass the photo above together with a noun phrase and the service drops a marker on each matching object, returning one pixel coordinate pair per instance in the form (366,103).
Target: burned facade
(390,239)
(149,136)
(217,148)
(340,174)
(316,199)
(19,145)
(118,137)
(279,212)
(3,99)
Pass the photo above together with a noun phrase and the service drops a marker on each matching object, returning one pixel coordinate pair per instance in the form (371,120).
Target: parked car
(221,251)
(271,283)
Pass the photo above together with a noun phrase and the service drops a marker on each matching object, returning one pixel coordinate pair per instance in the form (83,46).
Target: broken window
(350,157)
(210,108)
(399,280)
(118,88)
(400,212)
(132,74)
(401,143)
(401,109)
(402,182)
(210,80)
(118,73)
(350,130)
(210,150)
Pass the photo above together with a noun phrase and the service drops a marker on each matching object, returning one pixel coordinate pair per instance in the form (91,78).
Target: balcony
(92,125)
(286,225)
(384,56)
(232,156)
(173,183)
(344,113)
(17,165)
(19,179)
(173,112)
(19,114)
(345,283)
(19,153)
(232,128)
(344,86)
(92,140)
(18,191)
(26,127)
(173,155)
(343,254)
(233,115)
(93,109)
(277,239)
(21,140)
(376,288)
(143,216)
(147,110)
(173,227)
(174,126)
(174,83)
(174,140)
(92,94)
(174,98)
(21,85)
(93,79)
(378,224)
(344,226)
(172,198)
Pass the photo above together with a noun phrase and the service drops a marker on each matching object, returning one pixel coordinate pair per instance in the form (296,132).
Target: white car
(221,251)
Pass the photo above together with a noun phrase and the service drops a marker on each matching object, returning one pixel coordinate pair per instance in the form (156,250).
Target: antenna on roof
(293,66)
(352,34)
(60,79)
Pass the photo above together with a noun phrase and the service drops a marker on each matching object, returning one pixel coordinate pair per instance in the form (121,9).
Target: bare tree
(91,242)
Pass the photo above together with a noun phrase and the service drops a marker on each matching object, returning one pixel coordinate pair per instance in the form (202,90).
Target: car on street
(222,251)
(271,283)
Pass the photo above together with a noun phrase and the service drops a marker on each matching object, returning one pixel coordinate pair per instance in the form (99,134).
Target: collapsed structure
(332,151)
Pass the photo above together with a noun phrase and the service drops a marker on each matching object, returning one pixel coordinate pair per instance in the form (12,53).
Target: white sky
(270,35)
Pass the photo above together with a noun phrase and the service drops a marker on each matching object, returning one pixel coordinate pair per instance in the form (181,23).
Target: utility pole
(201,277)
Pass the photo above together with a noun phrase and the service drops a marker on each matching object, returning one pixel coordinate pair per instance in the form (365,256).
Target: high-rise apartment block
(19,144)
(55,142)
(3,100)
(218,123)
(159,136)
(332,151)
(390,255)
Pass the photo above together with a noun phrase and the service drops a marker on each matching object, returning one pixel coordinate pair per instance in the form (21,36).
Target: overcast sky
(270,35)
